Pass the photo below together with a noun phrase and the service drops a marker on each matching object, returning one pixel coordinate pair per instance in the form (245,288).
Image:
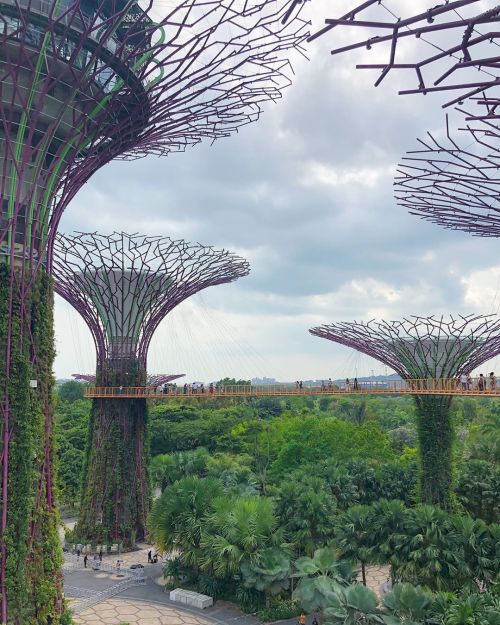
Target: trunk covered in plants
(31,582)
(115,491)
(435,435)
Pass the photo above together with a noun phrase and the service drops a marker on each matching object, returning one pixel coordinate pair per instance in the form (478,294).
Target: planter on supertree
(454,180)
(456,49)
(83,82)
(123,286)
(423,348)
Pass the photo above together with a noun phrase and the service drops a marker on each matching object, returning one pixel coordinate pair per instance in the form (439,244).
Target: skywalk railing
(484,386)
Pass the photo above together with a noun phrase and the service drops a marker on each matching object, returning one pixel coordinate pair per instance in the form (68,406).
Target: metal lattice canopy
(422,347)
(449,47)
(151,380)
(87,81)
(454,180)
(124,285)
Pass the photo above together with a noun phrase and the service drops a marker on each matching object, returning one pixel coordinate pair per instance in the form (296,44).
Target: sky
(305,194)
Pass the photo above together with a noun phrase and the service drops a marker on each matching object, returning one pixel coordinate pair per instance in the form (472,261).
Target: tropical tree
(306,508)
(354,536)
(178,516)
(478,489)
(408,605)
(320,577)
(427,550)
(238,530)
(388,521)
(166,469)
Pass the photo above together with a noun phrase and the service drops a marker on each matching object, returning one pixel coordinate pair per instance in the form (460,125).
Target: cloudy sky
(305,194)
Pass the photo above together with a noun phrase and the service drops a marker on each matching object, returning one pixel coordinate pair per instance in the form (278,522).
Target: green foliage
(354,536)
(435,438)
(115,486)
(177,517)
(280,610)
(306,508)
(165,469)
(320,576)
(478,489)
(237,531)
(355,605)
(70,391)
(269,572)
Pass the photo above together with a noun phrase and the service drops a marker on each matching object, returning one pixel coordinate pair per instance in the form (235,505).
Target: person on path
(481,383)
(302,619)
(78,553)
(150,559)
(347,385)
(100,555)
(85,558)
(356,387)
(463,381)
(300,385)
(493,382)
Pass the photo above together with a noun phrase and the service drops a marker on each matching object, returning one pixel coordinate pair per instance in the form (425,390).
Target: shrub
(280,610)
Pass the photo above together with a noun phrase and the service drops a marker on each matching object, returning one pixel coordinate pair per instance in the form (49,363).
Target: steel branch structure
(153,381)
(426,347)
(454,180)
(450,47)
(83,82)
(124,286)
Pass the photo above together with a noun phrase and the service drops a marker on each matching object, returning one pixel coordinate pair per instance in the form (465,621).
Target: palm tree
(177,518)
(428,552)
(388,520)
(269,573)
(355,605)
(354,536)
(237,530)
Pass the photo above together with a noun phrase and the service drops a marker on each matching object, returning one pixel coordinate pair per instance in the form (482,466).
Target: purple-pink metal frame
(422,347)
(151,380)
(453,180)
(82,83)
(458,49)
(124,285)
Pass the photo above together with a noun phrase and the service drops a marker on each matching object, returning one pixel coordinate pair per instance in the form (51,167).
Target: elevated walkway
(439,386)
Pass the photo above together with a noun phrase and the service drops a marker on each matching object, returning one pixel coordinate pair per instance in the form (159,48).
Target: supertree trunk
(115,490)
(30,554)
(435,437)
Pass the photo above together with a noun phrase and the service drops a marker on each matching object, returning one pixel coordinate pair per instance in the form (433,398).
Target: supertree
(123,286)
(450,47)
(454,180)
(151,380)
(83,82)
(423,348)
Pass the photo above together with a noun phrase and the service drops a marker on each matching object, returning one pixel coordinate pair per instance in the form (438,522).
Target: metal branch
(454,180)
(450,47)
(124,285)
(422,347)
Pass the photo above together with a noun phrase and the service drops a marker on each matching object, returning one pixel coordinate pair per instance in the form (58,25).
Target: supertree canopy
(454,180)
(124,286)
(151,380)
(83,82)
(421,348)
(449,47)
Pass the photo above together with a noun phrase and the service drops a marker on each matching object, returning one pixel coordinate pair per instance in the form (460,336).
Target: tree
(70,391)
(320,576)
(305,507)
(166,469)
(478,489)
(388,521)
(178,516)
(238,530)
(408,605)
(427,550)
(354,536)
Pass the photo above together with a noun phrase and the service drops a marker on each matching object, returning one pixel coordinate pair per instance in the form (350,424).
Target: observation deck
(438,386)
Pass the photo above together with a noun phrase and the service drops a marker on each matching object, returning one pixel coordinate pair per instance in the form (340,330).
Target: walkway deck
(474,388)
